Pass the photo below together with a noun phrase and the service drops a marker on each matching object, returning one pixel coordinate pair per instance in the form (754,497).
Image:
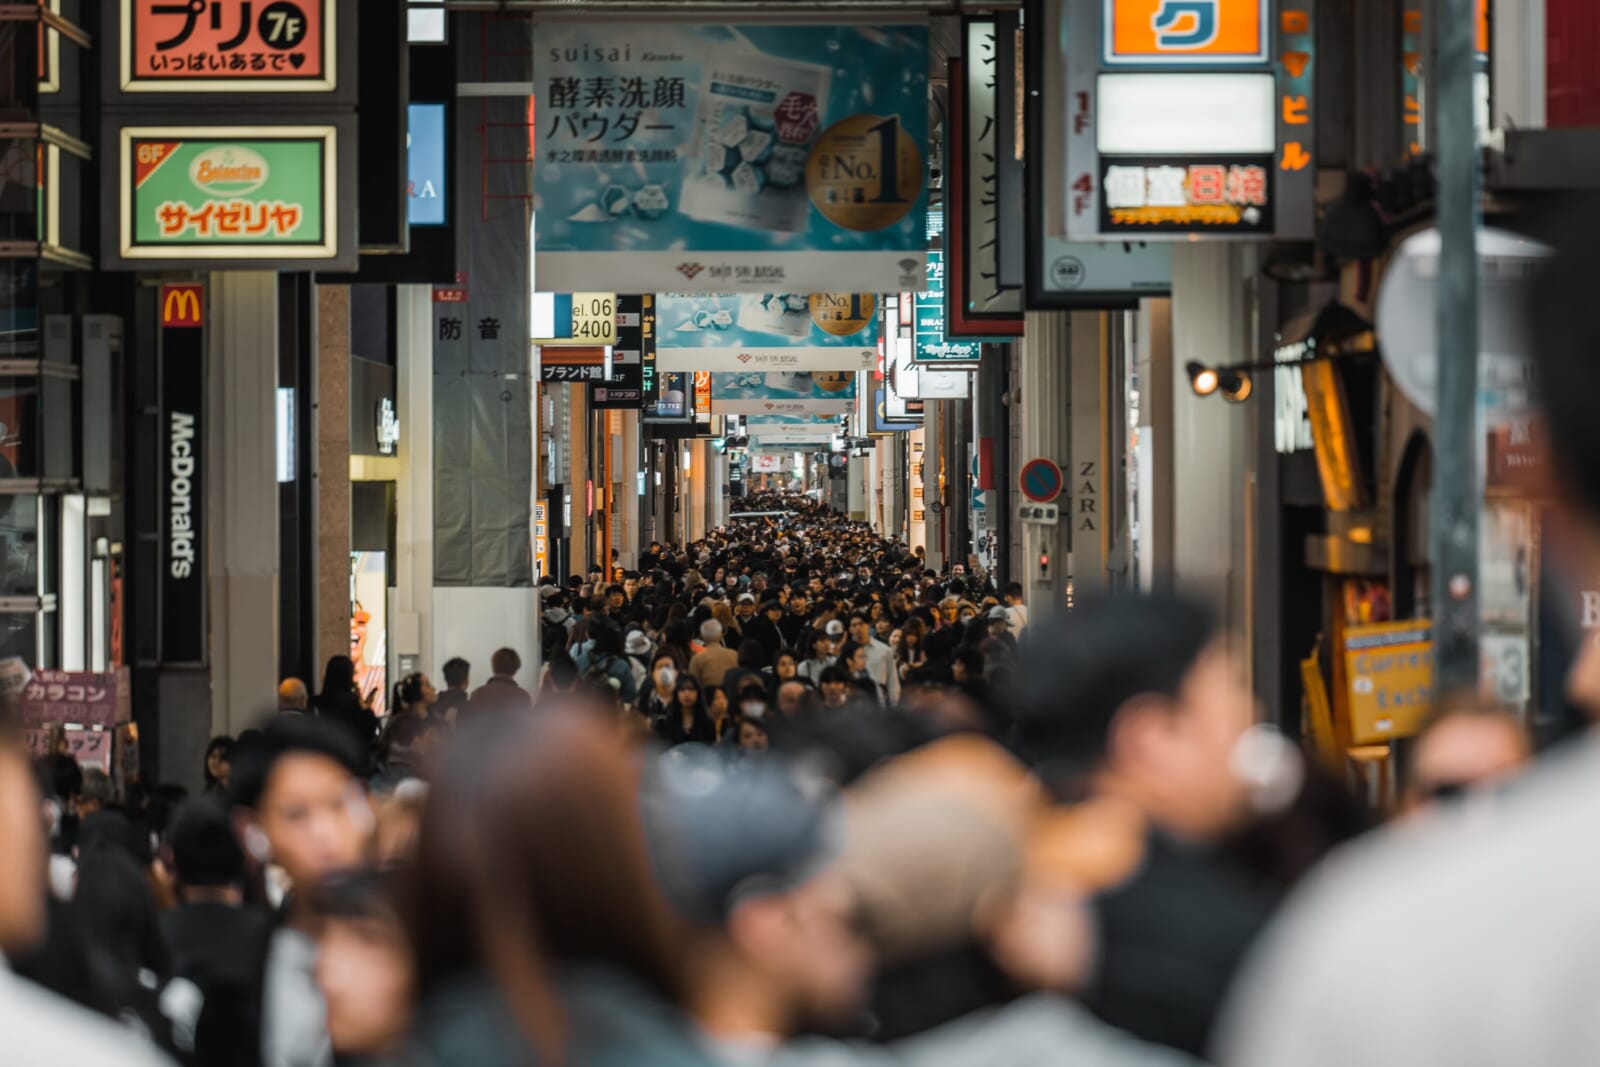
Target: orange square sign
(1185,32)
(227,45)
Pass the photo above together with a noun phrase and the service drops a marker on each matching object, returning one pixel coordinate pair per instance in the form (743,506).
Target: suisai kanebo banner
(731,157)
(783,393)
(768,331)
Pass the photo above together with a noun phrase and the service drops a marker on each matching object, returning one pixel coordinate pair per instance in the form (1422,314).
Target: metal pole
(1456,496)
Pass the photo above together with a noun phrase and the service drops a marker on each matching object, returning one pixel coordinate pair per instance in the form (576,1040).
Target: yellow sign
(594,318)
(1389,671)
(582,319)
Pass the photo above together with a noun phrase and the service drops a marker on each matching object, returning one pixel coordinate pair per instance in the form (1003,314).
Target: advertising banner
(571,363)
(783,393)
(228,193)
(737,157)
(932,345)
(183,474)
(755,331)
(227,46)
(574,318)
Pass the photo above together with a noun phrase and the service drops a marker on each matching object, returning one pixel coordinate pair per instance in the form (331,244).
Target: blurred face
(806,943)
(22,875)
(687,696)
(1186,752)
(217,765)
(630,586)
(615,601)
(858,660)
(797,604)
(835,692)
(430,695)
(950,612)
(786,667)
(860,632)
(745,609)
(364,971)
(1466,751)
(752,736)
(316,817)
(790,697)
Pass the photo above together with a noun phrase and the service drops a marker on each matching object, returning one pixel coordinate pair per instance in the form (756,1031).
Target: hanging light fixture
(1202,379)
(1235,384)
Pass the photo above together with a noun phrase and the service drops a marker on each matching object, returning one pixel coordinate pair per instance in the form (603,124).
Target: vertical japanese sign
(742,158)
(228,46)
(217,193)
(635,330)
(979,258)
(183,560)
(932,346)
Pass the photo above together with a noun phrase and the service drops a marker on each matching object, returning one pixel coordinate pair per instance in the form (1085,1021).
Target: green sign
(262,192)
(932,345)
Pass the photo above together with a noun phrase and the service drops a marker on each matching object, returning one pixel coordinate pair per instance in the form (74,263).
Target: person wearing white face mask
(656,701)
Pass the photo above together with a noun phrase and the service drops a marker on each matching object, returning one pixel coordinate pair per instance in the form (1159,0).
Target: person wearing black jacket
(765,627)
(341,703)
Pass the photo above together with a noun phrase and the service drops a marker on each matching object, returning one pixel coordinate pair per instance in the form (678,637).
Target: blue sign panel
(426,164)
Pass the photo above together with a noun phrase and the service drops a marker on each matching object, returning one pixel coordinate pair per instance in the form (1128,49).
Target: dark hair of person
(607,640)
(505,662)
(116,914)
(205,852)
(1566,336)
(665,652)
(972,659)
(1080,672)
(532,856)
(338,677)
(360,894)
(222,746)
(753,654)
(846,652)
(288,735)
(835,674)
(64,777)
(456,672)
(407,692)
(563,668)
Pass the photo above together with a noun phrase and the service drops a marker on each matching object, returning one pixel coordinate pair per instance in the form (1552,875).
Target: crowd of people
(789,796)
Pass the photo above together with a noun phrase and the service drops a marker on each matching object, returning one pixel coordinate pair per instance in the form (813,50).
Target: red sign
(183,306)
(79,697)
(449,296)
(207,45)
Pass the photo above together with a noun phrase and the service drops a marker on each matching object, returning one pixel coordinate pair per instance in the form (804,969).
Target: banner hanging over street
(768,331)
(735,158)
(783,393)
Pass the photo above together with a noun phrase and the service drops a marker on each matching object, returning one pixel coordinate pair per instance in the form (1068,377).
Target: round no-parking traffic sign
(1040,481)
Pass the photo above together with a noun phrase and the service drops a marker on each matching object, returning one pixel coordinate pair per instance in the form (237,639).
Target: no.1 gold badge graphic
(864,172)
(842,314)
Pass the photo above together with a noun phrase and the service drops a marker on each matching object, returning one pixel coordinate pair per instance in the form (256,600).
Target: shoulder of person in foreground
(43,1030)
(1400,949)
(1042,1030)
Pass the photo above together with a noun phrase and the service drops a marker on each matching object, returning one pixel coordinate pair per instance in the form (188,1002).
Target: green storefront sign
(932,345)
(228,193)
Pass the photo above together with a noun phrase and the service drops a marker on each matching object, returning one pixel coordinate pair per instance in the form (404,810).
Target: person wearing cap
(744,612)
(998,626)
(716,659)
(638,649)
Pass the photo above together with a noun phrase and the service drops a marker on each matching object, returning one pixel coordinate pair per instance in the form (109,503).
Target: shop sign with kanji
(198,46)
(82,698)
(235,194)
(1158,195)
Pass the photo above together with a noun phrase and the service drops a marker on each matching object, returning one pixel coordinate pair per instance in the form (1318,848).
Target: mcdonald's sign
(182,306)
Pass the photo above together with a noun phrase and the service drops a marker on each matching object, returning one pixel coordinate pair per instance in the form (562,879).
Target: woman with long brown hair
(539,931)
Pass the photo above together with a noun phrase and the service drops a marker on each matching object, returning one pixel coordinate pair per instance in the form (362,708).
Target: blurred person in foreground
(1134,705)
(40,1029)
(1466,939)
(1464,745)
(364,968)
(762,866)
(302,813)
(538,932)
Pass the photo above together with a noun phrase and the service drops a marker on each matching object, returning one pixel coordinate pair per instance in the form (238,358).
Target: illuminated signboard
(1157,195)
(426,165)
(225,193)
(209,46)
(1179,32)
